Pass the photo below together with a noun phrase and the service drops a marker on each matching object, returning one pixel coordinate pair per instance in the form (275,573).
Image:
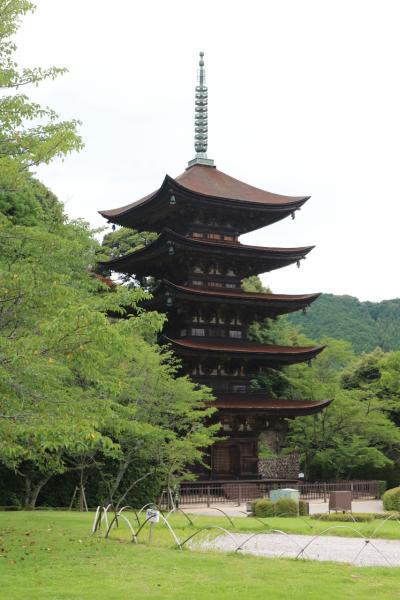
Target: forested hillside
(365,324)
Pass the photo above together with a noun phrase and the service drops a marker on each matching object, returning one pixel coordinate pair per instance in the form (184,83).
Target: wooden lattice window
(235,334)
(198,331)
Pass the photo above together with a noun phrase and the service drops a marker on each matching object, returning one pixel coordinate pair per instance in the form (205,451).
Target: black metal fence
(217,492)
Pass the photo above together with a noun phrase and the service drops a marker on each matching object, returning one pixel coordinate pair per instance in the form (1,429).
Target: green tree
(120,242)
(344,439)
(366,325)
(30,134)
(254,284)
(30,203)
(74,382)
(355,434)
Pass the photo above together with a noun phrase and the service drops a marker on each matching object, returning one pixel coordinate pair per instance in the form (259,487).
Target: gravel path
(233,510)
(357,550)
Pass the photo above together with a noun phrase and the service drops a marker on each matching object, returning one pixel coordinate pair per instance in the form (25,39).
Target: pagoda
(199,264)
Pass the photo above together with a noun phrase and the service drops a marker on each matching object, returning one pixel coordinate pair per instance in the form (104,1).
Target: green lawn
(50,555)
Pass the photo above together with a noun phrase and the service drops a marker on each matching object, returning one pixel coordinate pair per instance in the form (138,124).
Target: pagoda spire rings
(201,118)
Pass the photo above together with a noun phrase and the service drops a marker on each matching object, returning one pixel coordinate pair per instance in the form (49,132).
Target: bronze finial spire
(201,118)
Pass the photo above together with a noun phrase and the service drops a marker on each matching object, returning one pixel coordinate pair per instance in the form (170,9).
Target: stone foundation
(279,467)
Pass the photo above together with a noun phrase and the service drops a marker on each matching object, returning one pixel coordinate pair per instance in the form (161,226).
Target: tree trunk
(32,491)
(121,472)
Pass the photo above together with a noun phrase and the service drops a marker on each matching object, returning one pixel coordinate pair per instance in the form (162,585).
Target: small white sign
(152,515)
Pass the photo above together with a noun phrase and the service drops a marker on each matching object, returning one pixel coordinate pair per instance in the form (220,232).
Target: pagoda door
(234,455)
(226,460)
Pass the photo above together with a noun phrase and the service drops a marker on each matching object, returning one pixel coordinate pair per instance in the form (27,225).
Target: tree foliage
(30,134)
(73,381)
(30,203)
(366,325)
(357,434)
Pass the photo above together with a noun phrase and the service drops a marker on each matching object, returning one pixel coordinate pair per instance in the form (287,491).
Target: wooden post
(208,495)
(84,499)
(151,532)
(73,498)
(239,494)
(324,492)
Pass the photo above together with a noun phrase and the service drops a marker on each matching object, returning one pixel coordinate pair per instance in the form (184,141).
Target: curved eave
(273,300)
(244,348)
(168,238)
(257,404)
(251,199)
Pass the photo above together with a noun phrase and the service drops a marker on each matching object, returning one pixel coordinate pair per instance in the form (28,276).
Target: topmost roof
(210,183)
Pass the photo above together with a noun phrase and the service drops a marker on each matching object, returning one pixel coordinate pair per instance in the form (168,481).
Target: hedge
(345,517)
(391,499)
(284,507)
(263,508)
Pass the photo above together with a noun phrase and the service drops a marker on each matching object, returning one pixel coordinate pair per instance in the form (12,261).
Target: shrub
(391,499)
(382,487)
(286,507)
(304,508)
(345,517)
(263,508)
(393,513)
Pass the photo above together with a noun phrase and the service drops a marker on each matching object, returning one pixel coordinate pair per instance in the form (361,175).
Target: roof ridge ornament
(201,119)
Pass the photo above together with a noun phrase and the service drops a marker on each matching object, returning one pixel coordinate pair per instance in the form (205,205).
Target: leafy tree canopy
(30,134)
(73,381)
(366,325)
(30,203)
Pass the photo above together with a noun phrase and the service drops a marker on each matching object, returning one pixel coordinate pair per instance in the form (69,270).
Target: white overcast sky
(304,99)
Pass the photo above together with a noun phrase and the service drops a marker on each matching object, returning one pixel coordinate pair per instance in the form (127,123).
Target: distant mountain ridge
(365,324)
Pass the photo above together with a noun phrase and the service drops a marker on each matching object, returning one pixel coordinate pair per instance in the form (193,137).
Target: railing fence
(217,492)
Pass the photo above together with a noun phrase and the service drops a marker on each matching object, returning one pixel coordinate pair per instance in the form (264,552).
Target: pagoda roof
(286,302)
(269,353)
(212,182)
(256,403)
(262,259)
(205,186)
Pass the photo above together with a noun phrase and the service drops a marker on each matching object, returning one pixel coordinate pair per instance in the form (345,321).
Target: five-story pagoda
(200,263)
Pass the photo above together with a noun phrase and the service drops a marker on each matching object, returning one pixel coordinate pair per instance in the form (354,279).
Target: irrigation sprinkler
(330,529)
(368,542)
(129,508)
(240,547)
(377,528)
(98,518)
(150,504)
(178,543)
(149,519)
(208,529)
(175,510)
(224,513)
(134,535)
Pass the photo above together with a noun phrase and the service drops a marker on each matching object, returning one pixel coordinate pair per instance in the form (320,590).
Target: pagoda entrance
(234,458)
(225,460)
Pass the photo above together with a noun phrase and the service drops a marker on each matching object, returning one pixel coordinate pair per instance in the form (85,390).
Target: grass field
(50,555)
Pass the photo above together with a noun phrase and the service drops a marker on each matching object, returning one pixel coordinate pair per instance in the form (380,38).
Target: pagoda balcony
(253,304)
(173,256)
(258,403)
(264,355)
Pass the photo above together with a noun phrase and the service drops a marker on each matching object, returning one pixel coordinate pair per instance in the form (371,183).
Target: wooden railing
(217,492)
